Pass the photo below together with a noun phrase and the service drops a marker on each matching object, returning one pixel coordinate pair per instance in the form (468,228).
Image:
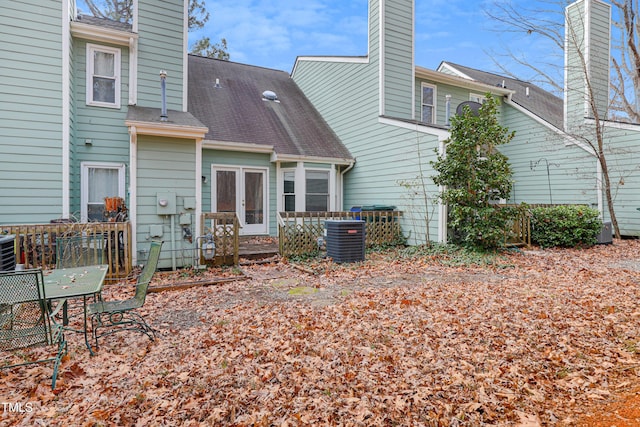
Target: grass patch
(302,290)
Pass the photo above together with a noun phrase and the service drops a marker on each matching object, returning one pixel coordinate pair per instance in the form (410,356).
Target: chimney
(587,58)
(163,88)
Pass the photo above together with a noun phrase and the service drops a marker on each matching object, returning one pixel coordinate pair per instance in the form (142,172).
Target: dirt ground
(287,283)
(531,338)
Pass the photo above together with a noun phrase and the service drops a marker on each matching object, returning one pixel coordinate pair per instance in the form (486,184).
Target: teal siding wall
(599,41)
(74,201)
(232,158)
(160,48)
(103,126)
(623,160)
(165,165)
(398,58)
(572,171)
(31,111)
(594,47)
(458,95)
(392,163)
(574,85)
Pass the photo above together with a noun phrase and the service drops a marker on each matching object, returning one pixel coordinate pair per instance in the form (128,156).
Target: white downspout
(342,174)
(66,114)
(198,177)
(133,191)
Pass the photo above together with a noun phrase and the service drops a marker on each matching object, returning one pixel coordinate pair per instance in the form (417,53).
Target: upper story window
(428,103)
(103,76)
(477,98)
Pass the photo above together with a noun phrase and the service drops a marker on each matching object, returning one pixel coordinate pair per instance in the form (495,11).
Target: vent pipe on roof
(163,87)
(526,91)
(217,86)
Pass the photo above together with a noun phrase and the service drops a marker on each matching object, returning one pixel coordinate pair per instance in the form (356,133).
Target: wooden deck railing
(35,244)
(298,232)
(224,229)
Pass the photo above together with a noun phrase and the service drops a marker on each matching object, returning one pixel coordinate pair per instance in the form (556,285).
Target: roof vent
(269,95)
(217,85)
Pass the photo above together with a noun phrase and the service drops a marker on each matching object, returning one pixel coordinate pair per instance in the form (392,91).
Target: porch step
(258,247)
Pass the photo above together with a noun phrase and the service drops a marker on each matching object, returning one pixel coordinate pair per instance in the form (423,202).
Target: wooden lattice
(224,227)
(299,231)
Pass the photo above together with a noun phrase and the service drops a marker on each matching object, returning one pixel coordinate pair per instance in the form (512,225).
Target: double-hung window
(317,197)
(289,191)
(428,103)
(103,76)
(100,180)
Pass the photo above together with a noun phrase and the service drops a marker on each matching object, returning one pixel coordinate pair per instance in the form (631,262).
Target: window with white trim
(317,197)
(428,103)
(99,180)
(103,76)
(289,191)
(477,98)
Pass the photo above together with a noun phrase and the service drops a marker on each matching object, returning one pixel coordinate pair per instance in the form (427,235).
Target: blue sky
(272,33)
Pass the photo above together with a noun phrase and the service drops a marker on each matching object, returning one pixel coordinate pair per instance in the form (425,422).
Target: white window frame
(433,106)
(329,189)
(283,172)
(84,183)
(475,97)
(117,60)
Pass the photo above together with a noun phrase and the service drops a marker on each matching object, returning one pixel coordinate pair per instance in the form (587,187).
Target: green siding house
(94,108)
(393,116)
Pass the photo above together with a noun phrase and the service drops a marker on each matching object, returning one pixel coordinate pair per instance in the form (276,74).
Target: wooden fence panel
(36,244)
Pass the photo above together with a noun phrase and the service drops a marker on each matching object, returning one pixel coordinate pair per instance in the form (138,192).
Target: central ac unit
(345,240)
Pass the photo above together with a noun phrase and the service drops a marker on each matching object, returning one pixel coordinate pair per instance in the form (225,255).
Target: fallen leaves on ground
(535,338)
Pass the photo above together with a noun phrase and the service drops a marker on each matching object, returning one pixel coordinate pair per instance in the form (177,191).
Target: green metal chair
(26,319)
(115,316)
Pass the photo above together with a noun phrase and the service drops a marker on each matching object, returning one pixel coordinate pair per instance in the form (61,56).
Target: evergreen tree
(476,177)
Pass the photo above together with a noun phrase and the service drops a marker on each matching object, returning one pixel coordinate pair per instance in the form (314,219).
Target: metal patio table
(75,282)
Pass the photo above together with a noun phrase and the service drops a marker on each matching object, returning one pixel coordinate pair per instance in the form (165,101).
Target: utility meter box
(185,219)
(189,202)
(156,230)
(166,204)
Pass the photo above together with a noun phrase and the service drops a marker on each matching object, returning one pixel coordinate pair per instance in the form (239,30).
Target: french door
(241,190)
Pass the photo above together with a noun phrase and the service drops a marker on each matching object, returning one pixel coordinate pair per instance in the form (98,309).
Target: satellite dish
(473,106)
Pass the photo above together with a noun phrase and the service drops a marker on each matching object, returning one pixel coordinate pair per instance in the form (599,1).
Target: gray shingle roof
(104,22)
(237,113)
(540,102)
(152,115)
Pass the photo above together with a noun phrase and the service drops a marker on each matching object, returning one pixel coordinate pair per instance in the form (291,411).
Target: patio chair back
(79,251)
(142,284)
(25,318)
(116,316)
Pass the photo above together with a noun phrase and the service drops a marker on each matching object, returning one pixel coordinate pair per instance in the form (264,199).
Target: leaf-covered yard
(530,338)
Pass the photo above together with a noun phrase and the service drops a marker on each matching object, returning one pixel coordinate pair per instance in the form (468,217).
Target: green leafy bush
(565,226)
(476,176)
